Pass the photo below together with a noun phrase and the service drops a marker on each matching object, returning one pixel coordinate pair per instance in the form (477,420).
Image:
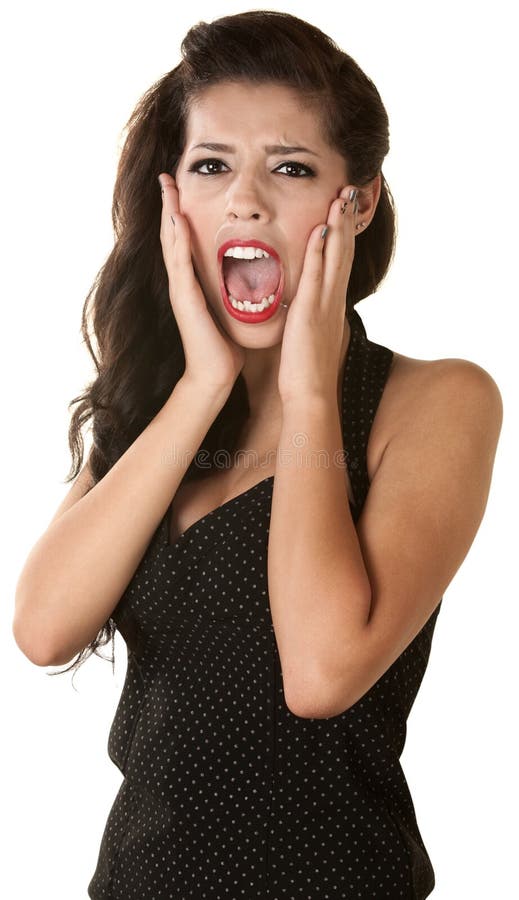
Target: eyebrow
(271,149)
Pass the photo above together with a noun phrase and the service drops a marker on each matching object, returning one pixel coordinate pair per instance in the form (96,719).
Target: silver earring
(284,304)
(360,225)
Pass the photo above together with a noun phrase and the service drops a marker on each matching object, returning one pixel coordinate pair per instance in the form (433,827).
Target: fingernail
(353,197)
(343,207)
(324,232)
(172,219)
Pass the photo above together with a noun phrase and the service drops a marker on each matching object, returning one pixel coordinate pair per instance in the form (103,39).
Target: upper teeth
(246,253)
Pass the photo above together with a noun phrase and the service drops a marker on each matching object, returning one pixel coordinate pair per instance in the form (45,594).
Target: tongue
(251,279)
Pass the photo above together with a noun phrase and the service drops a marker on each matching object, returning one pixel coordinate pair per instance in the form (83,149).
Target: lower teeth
(247,306)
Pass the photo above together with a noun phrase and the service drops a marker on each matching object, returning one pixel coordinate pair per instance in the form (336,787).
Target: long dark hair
(139,355)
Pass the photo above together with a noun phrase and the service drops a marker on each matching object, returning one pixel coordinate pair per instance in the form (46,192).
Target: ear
(367,199)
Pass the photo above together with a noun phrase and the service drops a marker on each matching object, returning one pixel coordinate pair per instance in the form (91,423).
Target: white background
(447,73)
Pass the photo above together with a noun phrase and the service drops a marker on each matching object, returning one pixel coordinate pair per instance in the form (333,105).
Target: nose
(247,200)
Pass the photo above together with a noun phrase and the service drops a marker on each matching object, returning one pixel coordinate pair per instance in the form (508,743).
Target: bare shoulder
(427,393)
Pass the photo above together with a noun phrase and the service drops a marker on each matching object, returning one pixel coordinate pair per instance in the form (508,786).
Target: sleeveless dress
(226,793)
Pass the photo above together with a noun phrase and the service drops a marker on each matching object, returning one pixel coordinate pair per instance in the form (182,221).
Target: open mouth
(251,279)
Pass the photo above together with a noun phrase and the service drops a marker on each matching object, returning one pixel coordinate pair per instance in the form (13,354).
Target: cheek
(198,216)
(300,233)
(185,202)
(197,225)
(315,211)
(202,256)
(188,197)
(320,209)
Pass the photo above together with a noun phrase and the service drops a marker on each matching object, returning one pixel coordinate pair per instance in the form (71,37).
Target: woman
(273,505)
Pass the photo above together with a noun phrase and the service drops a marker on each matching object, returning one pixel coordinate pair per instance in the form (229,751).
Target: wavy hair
(140,356)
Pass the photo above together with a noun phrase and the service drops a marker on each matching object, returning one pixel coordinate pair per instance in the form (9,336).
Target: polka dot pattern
(227,794)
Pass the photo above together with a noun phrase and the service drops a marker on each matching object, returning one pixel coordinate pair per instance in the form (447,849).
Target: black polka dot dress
(226,793)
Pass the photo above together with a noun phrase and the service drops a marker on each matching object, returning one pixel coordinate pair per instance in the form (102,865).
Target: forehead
(253,110)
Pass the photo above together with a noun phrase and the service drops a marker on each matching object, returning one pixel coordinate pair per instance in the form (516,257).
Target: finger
(167,225)
(174,230)
(310,282)
(176,249)
(340,243)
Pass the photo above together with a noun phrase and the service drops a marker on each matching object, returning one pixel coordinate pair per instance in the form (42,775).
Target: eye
(212,166)
(295,170)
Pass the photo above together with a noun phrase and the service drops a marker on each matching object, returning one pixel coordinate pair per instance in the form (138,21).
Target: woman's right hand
(213,359)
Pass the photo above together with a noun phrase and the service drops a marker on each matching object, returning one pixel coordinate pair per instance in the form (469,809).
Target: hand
(213,359)
(316,318)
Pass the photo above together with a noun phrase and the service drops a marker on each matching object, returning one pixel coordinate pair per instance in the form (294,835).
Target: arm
(77,571)
(346,603)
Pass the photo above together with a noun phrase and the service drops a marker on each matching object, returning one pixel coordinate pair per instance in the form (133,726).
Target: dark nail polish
(343,207)
(353,194)
(324,232)
(172,219)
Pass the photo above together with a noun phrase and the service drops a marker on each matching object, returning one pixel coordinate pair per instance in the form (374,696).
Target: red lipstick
(244,315)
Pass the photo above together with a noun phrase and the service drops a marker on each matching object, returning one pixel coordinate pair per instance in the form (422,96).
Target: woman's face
(256,168)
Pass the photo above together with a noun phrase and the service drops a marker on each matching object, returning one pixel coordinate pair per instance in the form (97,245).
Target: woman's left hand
(316,317)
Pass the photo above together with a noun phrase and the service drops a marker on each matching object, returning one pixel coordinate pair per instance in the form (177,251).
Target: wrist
(311,403)
(202,394)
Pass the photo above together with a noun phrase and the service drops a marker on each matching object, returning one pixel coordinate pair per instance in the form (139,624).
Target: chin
(268,334)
